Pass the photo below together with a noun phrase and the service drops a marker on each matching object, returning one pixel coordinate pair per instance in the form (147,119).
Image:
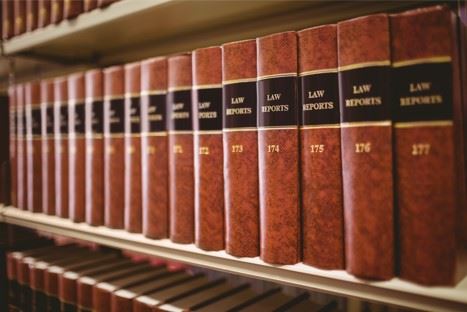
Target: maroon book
(45,8)
(20,17)
(89,5)
(430,172)
(278,154)
(20,148)
(181,179)
(7,19)
(366,145)
(240,137)
(48,146)
(105,3)
(320,148)
(13,147)
(72,8)
(56,14)
(154,158)
(208,150)
(31,14)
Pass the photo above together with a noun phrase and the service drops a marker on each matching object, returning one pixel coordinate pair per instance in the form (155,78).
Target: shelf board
(395,291)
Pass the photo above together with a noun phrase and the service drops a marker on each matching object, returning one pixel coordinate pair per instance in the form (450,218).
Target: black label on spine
(239,105)
(50,120)
(64,119)
(179,110)
(277,102)
(79,118)
(207,109)
(134,114)
(116,116)
(364,94)
(95,121)
(153,111)
(319,99)
(12,122)
(36,120)
(423,92)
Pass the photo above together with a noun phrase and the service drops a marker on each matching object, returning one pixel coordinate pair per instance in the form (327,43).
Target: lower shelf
(395,291)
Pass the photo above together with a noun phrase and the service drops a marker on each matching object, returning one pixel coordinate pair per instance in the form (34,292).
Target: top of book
(132,78)
(154,74)
(47,91)
(207,66)
(277,54)
(318,48)
(179,71)
(76,87)
(114,81)
(94,84)
(239,60)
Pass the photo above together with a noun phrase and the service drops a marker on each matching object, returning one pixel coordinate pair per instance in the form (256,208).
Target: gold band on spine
(295,127)
(154,134)
(382,123)
(153,92)
(180,132)
(227,82)
(323,126)
(427,60)
(114,135)
(93,99)
(318,71)
(181,88)
(364,65)
(240,129)
(283,75)
(113,97)
(427,123)
(93,136)
(132,95)
(207,86)
(204,132)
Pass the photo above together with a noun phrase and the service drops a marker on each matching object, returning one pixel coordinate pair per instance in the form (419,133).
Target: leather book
(154,158)
(13,146)
(21,148)
(429,145)
(132,120)
(240,140)
(278,153)
(320,149)
(7,19)
(56,14)
(48,146)
(4,150)
(44,8)
(12,279)
(208,149)
(76,147)
(105,3)
(89,5)
(94,148)
(113,146)
(31,15)
(61,147)
(33,146)
(180,125)
(366,145)
(72,8)
(20,16)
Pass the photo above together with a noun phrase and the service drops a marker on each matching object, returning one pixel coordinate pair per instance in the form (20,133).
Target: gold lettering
(420,149)
(238,111)
(237,100)
(318,106)
(207,115)
(237,148)
(204,105)
(273,148)
(204,150)
(317,148)
(275,108)
(419,86)
(131,150)
(178,149)
(273,97)
(363,101)
(363,147)
(315,94)
(361,89)
(151,150)
(420,100)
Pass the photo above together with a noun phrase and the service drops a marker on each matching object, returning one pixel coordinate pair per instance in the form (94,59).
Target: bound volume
(44,7)
(13,146)
(48,147)
(7,19)
(31,14)
(20,148)
(19,7)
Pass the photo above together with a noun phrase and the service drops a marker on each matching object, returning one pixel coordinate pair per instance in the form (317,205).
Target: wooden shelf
(395,291)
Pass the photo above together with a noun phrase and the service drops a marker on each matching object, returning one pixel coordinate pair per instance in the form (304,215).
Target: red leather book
(320,148)
(72,8)
(48,147)
(154,158)
(76,145)
(13,147)
(430,172)
(113,146)
(61,147)
(20,148)
(105,3)
(132,117)
(20,17)
(181,185)
(56,14)
(278,153)
(45,9)
(31,14)
(33,146)
(366,145)
(94,148)
(89,5)
(240,140)
(208,150)
(7,19)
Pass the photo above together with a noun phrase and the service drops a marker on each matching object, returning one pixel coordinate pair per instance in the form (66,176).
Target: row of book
(331,146)
(21,16)
(72,278)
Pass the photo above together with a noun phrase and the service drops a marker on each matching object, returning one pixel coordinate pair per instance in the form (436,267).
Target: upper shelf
(395,291)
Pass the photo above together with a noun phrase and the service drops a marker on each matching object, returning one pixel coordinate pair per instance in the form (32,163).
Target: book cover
(56,14)
(7,19)
(19,8)
(72,8)
(20,148)
(13,146)
(48,146)
(31,14)
(180,125)
(44,8)
(154,148)
(208,149)
(320,149)
(278,153)
(240,140)
(366,145)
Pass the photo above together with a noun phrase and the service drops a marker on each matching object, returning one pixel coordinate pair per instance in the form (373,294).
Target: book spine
(428,144)
(181,179)
(154,161)
(119,303)
(278,155)
(67,291)
(61,146)
(12,278)
(84,295)
(45,8)
(76,170)
(89,5)
(366,145)
(94,158)
(208,150)
(320,148)
(101,298)
(20,148)
(141,306)
(56,14)
(48,148)
(20,16)
(240,140)
(105,3)
(51,289)
(113,147)
(13,147)
(72,8)
(132,119)
(7,19)
(31,15)
(39,301)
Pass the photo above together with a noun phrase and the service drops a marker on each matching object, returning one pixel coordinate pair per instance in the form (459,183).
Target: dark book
(428,130)
(89,5)
(31,15)
(114,147)
(72,8)
(154,158)
(208,149)
(94,148)
(320,148)
(45,9)
(7,19)
(19,17)
(132,149)
(180,125)
(366,145)
(278,153)
(20,148)
(13,146)
(56,8)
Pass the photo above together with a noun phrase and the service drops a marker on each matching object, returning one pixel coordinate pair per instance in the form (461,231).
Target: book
(154,148)
(20,148)
(180,125)
(278,153)
(7,19)
(56,14)
(89,5)
(113,147)
(48,146)
(33,146)
(132,149)
(320,149)
(76,147)
(44,8)
(240,141)
(31,15)
(366,145)
(94,149)
(61,147)
(13,146)
(4,150)
(105,3)
(208,148)
(19,8)
(429,142)
(72,8)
